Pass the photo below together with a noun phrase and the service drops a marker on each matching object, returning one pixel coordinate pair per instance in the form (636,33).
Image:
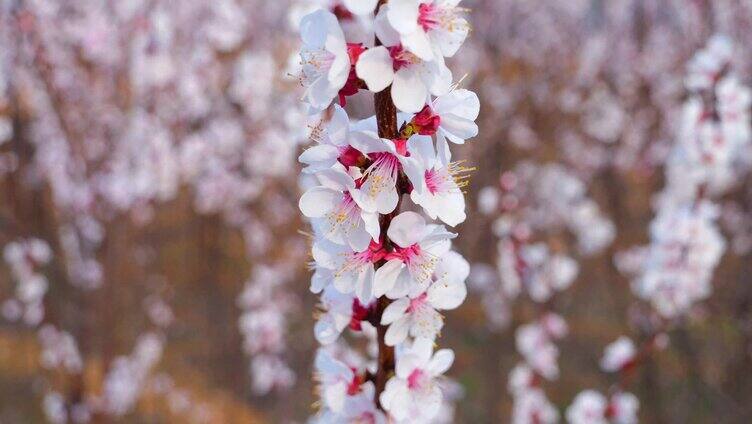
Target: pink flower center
(417,302)
(440,181)
(427,16)
(354,262)
(432,180)
(405,254)
(417,379)
(401,57)
(381,174)
(345,216)
(420,263)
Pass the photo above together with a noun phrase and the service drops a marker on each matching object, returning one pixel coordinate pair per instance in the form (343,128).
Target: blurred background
(155,264)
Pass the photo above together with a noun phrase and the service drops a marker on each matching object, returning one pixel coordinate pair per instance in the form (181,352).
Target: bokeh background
(155,265)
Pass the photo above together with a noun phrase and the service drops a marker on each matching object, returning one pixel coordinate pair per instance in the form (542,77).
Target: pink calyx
(353,83)
(417,379)
(426,122)
(350,156)
(359,314)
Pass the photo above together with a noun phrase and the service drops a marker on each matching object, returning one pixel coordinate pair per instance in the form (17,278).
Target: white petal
(364,289)
(422,348)
(325,363)
(421,148)
(326,253)
(313,27)
(453,266)
(321,277)
(446,294)
(318,201)
(397,332)
(451,210)
(450,41)
(335,395)
(386,201)
(414,171)
(457,129)
(335,179)
(430,403)
(395,310)
(374,66)
(367,142)
(426,323)
(340,68)
(395,398)
(358,238)
(436,76)
(418,43)
(441,362)
(461,103)
(404,286)
(409,92)
(338,127)
(372,226)
(407,363)
(403,15)
(407,229)
(383,29)
(385,277)
(443,154)
(321,93)
(325,330)
(323,155)
(360,7)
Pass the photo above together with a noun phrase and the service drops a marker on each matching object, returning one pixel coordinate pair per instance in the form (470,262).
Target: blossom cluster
(675,270)
(529,203)
(24,258)
(262,323)
(381,271)
(112,112)
(710,153)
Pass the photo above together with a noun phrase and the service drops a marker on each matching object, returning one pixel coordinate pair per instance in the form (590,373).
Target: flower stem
(386,119)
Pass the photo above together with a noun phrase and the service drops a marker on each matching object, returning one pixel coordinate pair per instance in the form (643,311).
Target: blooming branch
(382,272)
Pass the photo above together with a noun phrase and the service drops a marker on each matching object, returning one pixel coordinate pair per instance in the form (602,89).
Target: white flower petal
(364,287)
(449,41)
(325,330)
(395,310)
(426,323)
(318,201)
(374,66)
(403,15)
(446,293)
(407,229)
(323,155)
(360,7)
(422,348)
(441,362)
(409,92)
(385,277)
(419,44)
(397,332)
